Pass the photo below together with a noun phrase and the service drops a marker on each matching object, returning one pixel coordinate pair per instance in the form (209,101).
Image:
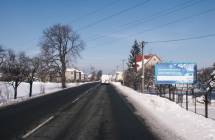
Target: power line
(156,15)
(97,10)
(183,39)
(113,15)
(162,13)
(177,20)
(169,23)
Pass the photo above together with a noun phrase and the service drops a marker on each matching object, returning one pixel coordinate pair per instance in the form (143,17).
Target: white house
(119,76)
(73,74)
(149,61)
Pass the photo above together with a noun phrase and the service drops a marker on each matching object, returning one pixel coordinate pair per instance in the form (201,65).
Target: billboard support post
(195,98)
(187,98)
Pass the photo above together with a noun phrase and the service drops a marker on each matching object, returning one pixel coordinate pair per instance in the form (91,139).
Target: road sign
(175,73)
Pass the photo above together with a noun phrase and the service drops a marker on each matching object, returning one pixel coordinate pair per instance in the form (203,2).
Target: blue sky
(109,41)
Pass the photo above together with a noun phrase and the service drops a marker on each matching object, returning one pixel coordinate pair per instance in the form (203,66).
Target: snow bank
(39,89)
(168,114)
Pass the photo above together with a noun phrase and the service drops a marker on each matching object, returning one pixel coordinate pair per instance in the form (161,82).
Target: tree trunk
(15,90)
(30,90)
(63,81)
(63,77)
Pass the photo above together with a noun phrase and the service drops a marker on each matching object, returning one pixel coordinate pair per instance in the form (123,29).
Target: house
(83,76)
(119,76)
(149,61)
(73,75)
(70,74)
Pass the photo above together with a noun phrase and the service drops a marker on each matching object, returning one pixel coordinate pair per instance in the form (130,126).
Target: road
(15,120)
(98,114)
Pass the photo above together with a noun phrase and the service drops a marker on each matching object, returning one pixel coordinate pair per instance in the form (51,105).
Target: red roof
(140,58)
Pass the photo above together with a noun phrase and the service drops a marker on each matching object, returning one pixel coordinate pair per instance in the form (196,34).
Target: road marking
(86,92)
(36,128)
(52,117)
(80,97)
(76,100)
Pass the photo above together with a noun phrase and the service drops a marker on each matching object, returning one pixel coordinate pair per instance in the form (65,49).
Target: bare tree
(132,78)
(14,69)
(48,68)
(204,75)
(93,74)
(99,75)
(61,43)
(2,55)
(149,76)
(33,67)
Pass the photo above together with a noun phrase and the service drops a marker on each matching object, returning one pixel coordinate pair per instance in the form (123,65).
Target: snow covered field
(39,88)
(168,118)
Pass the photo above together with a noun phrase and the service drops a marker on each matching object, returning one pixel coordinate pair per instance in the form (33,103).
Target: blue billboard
(175,73)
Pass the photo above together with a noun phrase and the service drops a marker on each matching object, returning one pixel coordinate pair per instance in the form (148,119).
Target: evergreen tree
(131,76)
(135,50)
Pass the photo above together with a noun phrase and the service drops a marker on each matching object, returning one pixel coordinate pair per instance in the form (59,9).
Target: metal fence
(189,99)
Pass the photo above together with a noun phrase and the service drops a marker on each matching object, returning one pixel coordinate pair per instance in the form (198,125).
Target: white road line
(76,100)
(36,128)
(52,117)
(82,95)
(79,97)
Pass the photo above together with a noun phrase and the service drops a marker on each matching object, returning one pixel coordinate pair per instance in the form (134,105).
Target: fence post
(187,98)
(194,98)
(174,93)
(206,105)
(182,97)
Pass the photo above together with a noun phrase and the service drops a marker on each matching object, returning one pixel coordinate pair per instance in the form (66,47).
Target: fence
(189,98)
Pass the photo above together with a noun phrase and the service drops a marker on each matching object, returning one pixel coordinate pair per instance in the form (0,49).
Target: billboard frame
(171,83)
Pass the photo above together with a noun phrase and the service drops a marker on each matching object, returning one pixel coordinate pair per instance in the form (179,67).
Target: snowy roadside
(169,119)
(39,89)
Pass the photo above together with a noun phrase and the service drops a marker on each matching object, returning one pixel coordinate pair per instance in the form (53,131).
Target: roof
(70,69)
(146,57)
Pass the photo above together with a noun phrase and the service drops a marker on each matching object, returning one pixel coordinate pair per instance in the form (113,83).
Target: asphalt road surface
(15,120)
(98,113)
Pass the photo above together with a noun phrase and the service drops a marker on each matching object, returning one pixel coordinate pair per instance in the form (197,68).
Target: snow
(200,106)
(39,89)
(168,115)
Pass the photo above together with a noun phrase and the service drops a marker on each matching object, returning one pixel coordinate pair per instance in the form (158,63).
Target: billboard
(175,73)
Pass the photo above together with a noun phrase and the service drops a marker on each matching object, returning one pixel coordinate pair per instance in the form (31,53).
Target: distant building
(119,76)
(74,75)
(149,61)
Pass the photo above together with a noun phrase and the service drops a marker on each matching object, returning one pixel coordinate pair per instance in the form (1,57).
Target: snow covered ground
(200,106)
(39,88)
(168,118)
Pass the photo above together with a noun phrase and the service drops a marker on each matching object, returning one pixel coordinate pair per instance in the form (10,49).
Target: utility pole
(123,72)
(143,67)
